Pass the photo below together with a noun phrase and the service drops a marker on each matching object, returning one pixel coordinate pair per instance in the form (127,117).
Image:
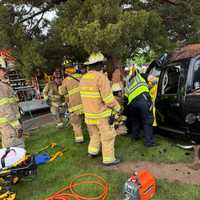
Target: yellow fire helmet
(66,62)
(95,58)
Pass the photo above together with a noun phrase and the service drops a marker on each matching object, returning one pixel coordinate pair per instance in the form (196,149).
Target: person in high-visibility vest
(10,126)
(52,96)
(70,89)
(98,105)
(140,106)
(153,87)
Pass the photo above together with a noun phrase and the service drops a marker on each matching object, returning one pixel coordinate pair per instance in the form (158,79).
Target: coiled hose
(69,192)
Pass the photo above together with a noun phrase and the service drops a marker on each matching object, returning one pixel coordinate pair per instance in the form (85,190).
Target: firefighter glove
(111,119)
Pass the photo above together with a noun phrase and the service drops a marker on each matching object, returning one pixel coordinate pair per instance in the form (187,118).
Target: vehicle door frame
(192,132)
(179,95)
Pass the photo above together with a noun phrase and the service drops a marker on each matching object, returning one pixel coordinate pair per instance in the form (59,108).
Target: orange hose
(69,193)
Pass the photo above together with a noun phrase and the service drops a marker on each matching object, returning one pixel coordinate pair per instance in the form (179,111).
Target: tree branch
(170,1)
(36,25)
(50,4)
(29,11)
(38,22)
(36,14)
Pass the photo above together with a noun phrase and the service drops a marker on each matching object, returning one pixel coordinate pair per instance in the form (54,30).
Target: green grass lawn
(53,176)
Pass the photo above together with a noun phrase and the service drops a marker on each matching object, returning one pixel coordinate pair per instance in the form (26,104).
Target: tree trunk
(112,63)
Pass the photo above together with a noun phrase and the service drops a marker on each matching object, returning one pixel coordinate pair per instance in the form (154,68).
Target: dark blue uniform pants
(141,116)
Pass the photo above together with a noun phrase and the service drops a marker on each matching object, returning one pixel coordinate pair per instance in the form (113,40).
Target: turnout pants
(142,117)
(56,114)
(102,135)
(10,137)
(75,120)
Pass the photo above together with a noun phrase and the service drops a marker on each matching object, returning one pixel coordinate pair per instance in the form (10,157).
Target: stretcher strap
(8,150)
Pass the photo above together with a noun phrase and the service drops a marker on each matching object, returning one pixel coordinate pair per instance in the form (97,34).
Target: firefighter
(10,126)
(98,104)
(53,98)
(140,106)
(70,89)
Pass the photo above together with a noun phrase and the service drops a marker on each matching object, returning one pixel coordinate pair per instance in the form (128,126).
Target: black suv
(178,97)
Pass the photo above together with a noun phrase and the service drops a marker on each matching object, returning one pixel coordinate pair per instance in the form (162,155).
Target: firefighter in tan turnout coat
(70,89)
(10,127)
(98,104)
(52,96)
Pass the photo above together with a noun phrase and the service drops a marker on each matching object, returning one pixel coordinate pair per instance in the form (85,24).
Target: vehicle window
(171,80)
(196,78)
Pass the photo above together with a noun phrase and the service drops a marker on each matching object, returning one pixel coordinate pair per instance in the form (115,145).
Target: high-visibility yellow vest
(136,86)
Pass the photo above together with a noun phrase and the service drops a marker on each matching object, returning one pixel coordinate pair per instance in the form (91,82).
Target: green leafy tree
(29,59)
(55,51)
(25,49)
(82,27)
(105,26)
(6,27)
(21,28)
(180,18)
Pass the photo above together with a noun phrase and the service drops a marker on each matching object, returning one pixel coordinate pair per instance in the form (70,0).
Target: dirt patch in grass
(38,122)
(181,172)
